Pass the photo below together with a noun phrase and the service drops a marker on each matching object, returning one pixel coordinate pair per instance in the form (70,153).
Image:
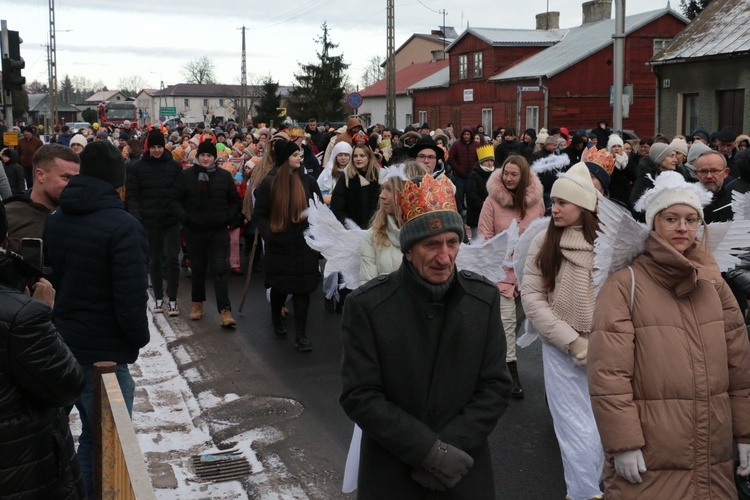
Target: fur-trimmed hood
(501,195)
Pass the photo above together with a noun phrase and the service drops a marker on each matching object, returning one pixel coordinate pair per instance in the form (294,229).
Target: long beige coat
(673,378)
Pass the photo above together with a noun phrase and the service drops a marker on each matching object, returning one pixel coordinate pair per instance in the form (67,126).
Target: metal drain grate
(221,466)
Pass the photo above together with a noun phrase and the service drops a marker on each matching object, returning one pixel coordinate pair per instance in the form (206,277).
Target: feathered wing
(550,163)
(523,245)
(741,205)
(620,239)
(727,240)
(488,257)
(341,246)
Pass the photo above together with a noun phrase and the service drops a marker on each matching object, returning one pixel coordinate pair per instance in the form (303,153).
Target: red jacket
(463,156)
(26,150)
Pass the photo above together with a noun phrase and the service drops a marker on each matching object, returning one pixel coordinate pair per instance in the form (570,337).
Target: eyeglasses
(705,172)
(672,223)
(425,157)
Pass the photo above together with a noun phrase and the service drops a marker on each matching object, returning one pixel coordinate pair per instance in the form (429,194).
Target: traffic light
(13,64)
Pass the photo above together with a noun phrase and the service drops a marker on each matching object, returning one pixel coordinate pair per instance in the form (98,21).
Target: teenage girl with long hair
(356,193)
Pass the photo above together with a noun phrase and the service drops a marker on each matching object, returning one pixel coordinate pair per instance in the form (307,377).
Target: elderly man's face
(711,171)
(726,148)
(433,258)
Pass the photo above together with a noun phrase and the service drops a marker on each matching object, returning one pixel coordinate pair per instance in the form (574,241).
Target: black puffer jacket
(99,258)
(291,265)
(38,377)
(14,172)
(476,193)
(150,180)
(224,202)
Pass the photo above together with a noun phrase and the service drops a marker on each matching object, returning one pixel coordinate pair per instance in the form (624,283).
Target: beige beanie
(575,186)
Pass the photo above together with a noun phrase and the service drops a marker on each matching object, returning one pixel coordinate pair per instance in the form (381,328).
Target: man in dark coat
(602,133)
(99,261)
(428,389)
(205,200)
(149,183)
(27,146)
(462,157)
(510,145)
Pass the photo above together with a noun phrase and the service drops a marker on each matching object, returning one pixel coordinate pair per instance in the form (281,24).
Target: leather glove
(447,463)
(427,480)
(628,464)
(579,349)
(744,452)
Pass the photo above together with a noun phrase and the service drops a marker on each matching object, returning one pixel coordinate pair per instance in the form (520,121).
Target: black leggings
(301,303)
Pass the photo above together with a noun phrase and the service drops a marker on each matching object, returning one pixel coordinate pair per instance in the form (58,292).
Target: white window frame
(408,119)
(478,65)
(659,44)
(221,103)
(422,117)
(463,67)
(532,117)
(205,102)
(186,103)
(487,120)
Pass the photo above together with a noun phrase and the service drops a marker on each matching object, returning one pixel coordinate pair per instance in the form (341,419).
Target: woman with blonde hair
(291,265)
(558,298)
(356,193)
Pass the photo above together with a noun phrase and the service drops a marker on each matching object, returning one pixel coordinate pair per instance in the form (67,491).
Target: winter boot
(279,330)
(197,312)
(516,391)
(301,343)
(227,321)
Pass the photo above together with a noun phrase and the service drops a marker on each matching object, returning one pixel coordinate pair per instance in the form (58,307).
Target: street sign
(354,100)
(529,89)
(170,111)
(10,138)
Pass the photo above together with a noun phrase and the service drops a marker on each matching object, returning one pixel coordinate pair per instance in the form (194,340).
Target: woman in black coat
(291,265)
(356,193)
(38,378)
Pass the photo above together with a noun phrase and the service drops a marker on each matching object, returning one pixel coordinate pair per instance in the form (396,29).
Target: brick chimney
(596,10)
(548,21)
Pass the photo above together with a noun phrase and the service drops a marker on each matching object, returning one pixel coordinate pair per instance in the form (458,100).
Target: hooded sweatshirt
(463,154)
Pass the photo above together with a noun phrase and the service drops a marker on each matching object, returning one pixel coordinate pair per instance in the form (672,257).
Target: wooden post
(100,368)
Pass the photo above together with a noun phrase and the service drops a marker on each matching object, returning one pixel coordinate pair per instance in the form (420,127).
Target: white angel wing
(530,334)
(727,240)
(521,251)
(338,244)
(550,163)
(620,239)
(741,205)
(487,257)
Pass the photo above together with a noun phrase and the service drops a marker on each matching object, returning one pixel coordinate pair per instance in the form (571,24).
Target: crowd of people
(426,392)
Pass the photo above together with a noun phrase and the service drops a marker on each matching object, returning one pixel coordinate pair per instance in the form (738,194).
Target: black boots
(279,330)
(516,391)
(300,341)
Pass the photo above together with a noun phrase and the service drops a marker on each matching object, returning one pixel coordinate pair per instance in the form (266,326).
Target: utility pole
(243,105)
(52,65)
(390,68)
(619,70)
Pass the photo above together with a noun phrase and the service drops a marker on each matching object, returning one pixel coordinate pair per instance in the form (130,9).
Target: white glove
(744,452)
(628,464)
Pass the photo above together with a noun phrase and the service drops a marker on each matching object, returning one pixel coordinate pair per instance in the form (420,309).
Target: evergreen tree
(319,91)
(268,103)
(66,90)
(691,8)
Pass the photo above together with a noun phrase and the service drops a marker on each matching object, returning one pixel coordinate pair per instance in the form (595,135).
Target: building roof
(720,30)
(406,77)
(500,36)
(105,95)
(578,44)
(148,92)
(440,78)
(39,103)
(211,90)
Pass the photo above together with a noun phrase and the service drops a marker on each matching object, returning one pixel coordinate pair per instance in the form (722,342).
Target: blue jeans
(85,405)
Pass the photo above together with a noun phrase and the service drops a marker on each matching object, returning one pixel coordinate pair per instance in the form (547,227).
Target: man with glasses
(428,153)
(711,169)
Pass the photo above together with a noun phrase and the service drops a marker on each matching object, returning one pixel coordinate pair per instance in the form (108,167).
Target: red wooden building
(561,77)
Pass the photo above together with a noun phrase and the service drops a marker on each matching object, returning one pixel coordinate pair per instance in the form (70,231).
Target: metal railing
(119,466)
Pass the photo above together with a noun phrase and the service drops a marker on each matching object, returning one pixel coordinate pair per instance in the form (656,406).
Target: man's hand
(629,464)
(43,291)
(447,463)
(427,480)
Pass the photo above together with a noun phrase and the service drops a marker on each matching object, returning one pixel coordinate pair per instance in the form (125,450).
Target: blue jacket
(99,259)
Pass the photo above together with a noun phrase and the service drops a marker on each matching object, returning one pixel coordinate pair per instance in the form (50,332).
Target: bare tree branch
(199,70)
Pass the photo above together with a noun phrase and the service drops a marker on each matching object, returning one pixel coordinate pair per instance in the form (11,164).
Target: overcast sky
(108,40)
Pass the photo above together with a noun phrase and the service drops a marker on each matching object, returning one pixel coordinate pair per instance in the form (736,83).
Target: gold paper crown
(604,159)
(484,152)
(430,196)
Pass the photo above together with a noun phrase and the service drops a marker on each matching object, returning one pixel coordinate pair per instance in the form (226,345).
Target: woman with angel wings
(669,358)
(558,298)
(514,193)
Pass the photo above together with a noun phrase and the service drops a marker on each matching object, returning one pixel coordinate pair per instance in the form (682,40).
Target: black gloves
(446,463)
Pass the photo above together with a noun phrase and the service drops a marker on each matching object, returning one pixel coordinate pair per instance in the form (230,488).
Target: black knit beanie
(207,147)
(283,150)
(155,138)
(102,160)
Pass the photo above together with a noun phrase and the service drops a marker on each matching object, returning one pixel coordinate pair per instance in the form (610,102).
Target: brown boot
(227,321)
(197,312)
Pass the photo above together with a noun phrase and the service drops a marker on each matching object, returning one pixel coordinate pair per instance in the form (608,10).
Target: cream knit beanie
(575,186)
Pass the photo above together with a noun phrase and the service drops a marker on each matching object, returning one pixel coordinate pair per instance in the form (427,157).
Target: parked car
(76,126)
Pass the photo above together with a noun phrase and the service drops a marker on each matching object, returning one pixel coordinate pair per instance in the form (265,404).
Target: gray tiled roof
(40,103)
(723,28)
(577,44)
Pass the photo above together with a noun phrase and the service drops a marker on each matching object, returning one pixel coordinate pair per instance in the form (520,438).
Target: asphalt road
(297,394)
